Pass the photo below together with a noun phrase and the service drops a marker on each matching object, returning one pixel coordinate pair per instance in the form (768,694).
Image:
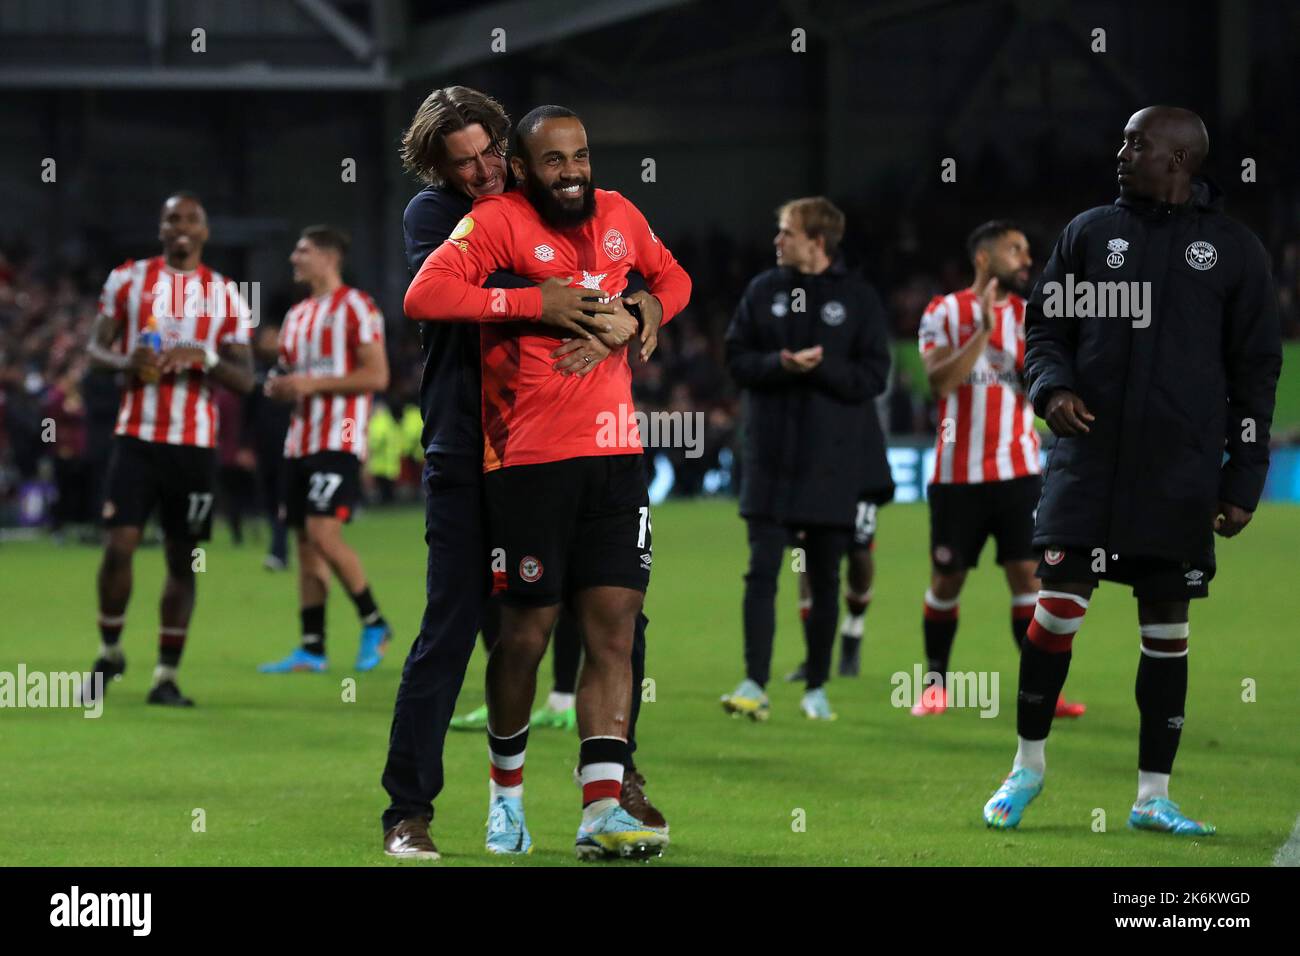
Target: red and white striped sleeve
(365,323)
(934,326)
(238,316)
(112,299)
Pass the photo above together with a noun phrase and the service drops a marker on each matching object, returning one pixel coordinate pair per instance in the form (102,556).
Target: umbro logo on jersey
(645,561)
(544,253)
(1175,723)
(1201,255)
(1194,577)
(590,281)
(1117,249)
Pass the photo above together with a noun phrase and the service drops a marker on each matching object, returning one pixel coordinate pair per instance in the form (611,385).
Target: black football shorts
(325,484)
(962,516)
(179,479)
(561,526)
(1152,579)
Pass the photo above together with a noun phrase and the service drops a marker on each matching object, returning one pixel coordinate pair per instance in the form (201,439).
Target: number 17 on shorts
(643,538)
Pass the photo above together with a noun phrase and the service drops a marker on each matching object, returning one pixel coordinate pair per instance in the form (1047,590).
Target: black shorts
(326,484)
(1152,579)
(864,521)
(963,516)
(180,479)
(562,526)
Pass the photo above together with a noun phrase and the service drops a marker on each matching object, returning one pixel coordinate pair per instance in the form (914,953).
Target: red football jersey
(319,339)
(531,413)
(991,436)
(199,308)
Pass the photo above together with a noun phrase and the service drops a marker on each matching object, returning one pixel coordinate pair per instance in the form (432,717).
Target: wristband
(210,360)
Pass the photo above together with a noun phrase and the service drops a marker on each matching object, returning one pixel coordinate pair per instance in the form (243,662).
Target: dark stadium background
(736,122)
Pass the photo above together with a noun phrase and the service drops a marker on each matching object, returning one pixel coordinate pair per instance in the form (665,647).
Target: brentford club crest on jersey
(615,245)
(530,569)
(1053,557)
(544,253)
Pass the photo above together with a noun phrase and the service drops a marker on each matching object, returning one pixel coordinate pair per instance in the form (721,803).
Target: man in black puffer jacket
(808,346)
(1153,351)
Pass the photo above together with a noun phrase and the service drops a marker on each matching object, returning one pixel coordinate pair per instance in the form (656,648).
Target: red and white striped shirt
(319,339)
(986,424)
(200,308)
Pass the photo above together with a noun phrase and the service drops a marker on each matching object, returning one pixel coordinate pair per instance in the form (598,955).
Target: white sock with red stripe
(1044,664)
(506,772)
(856,611)
(1164,640)
(601,761)
(1162,699)
(1058,615)
(110,632)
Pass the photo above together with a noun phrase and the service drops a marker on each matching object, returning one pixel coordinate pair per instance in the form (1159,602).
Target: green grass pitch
(287,773)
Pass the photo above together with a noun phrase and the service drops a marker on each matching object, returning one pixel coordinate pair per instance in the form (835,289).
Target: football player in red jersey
(170,324)
(332,345)
(986,479)
(568,511)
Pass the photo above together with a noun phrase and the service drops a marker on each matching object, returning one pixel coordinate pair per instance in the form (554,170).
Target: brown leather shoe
(633,800)
(410,840)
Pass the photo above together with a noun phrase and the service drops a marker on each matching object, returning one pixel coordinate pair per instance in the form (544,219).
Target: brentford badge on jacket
(615,246)
(833,313)
(1201,255)
(780,304)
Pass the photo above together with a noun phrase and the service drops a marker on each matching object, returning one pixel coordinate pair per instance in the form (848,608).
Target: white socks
(1152,785)
(596,808)
(1030,754)
(559,702)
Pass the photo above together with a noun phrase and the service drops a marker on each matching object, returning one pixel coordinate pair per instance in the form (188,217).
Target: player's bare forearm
(946,368)
(234,368)
(100,348)
(370,375)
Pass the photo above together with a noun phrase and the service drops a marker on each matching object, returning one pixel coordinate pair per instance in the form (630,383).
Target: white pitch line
(1288,854)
